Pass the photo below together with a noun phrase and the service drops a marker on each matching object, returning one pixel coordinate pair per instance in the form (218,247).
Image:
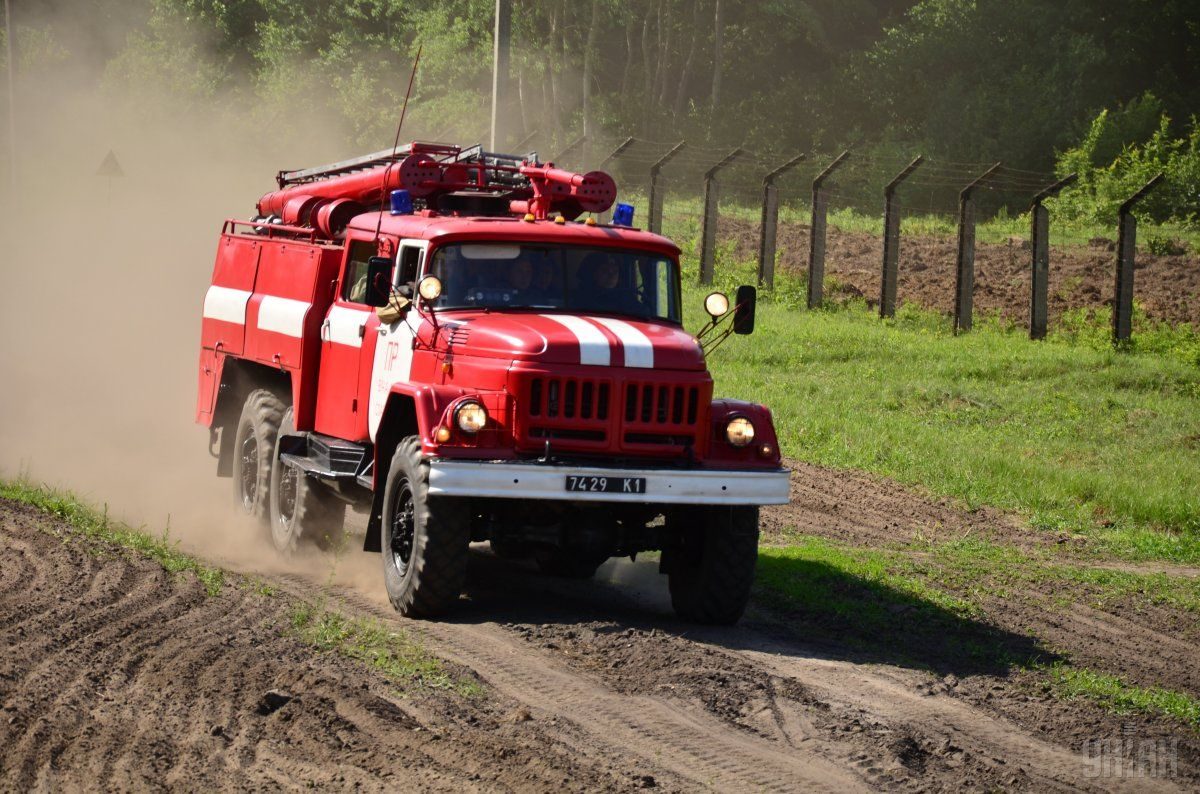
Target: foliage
(1104,184)
(975,80)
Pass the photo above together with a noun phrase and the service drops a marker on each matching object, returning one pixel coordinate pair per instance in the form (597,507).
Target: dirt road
(115,674)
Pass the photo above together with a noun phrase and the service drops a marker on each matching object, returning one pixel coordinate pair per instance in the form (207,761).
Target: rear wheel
(302,511)
(712,564)
(253,445)
(425,539)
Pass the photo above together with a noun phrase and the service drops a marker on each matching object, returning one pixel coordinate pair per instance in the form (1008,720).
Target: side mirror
(379,281)
(743,312)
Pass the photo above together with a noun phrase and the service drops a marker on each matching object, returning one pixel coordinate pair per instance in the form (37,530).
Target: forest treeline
(1020,81)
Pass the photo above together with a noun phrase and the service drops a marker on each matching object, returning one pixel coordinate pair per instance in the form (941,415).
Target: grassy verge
(96,526)
(393,654)
(1076,436)
(926,605)
(1118,697)
(956,577)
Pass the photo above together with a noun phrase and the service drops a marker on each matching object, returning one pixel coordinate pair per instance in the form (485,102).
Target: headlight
(430,288)
(716,304)
(472,416)
(740,431)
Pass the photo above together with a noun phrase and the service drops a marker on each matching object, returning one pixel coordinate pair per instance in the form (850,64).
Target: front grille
(661,403)
(589,414)
(569,398)
(660,415)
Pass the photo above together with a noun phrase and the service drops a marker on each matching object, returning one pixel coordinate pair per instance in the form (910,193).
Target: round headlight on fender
(430,288)
(740,431)
(470,416)
(716,304)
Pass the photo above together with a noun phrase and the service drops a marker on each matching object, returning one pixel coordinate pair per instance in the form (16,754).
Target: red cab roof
(449,228)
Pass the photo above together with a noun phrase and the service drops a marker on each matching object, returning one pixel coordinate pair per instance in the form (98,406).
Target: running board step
(323,456)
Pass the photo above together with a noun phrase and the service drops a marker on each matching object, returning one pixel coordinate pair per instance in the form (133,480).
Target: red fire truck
(431,336)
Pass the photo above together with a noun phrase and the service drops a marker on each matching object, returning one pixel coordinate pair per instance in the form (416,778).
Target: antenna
(396,143)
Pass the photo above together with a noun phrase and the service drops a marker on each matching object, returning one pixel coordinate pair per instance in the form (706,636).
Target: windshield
(540,276)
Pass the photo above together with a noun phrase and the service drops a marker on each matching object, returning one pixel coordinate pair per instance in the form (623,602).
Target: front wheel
(425,539)
(712,564)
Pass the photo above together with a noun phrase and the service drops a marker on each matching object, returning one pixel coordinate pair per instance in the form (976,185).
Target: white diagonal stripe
(594,347)
(639,350)
(282,315)
(345,325)
(226,304)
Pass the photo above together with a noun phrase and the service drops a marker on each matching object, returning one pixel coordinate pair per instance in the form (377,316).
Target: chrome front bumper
(508,480)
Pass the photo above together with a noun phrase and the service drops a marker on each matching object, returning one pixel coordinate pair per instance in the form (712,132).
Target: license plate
(599,484)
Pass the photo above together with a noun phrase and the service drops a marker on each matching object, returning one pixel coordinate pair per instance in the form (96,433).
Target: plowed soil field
(115,674)
(1081,277)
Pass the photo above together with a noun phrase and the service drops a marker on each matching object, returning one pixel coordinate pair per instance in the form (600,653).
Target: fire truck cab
(429,335)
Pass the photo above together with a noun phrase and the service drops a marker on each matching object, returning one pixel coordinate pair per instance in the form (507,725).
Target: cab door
(393,342)
(341,399)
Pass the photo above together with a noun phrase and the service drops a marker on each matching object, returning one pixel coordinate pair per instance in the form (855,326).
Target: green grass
(96,526)
(390,652)
(1115,695)
(1071,433)
(925,604)
(888,578)
(956,578)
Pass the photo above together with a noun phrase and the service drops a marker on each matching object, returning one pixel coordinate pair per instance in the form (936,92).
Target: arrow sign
(110,167)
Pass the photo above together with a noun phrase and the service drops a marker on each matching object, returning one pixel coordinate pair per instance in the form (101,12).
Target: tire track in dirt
(119,676)
(897,727)
(685,741)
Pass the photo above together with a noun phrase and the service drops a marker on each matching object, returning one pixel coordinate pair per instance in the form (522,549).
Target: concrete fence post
(964,289)
(708,224)
(1126,253)
(654,213)
(891,240)
(606,216)
(770,223)
(816,233)
(1039,245)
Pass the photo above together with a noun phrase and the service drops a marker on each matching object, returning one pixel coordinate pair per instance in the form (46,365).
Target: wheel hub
(289,480)
(249,453)
(403,528)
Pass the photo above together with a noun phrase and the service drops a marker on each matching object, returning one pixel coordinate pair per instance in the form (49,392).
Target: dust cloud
(100,308)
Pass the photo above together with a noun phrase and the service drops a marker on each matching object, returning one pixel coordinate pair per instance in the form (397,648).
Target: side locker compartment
(291,296)
(223,328)
(327,275)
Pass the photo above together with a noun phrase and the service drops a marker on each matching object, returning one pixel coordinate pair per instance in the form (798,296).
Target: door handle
(325,330)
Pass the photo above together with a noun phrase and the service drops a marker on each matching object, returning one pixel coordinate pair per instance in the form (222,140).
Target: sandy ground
(114,674)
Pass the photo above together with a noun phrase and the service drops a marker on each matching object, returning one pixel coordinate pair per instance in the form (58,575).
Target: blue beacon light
(401,202)
(623,215)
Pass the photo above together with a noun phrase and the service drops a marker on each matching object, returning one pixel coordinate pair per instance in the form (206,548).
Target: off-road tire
(713,564)
(253,448)
(438,534)
(567,564)
(302,510)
